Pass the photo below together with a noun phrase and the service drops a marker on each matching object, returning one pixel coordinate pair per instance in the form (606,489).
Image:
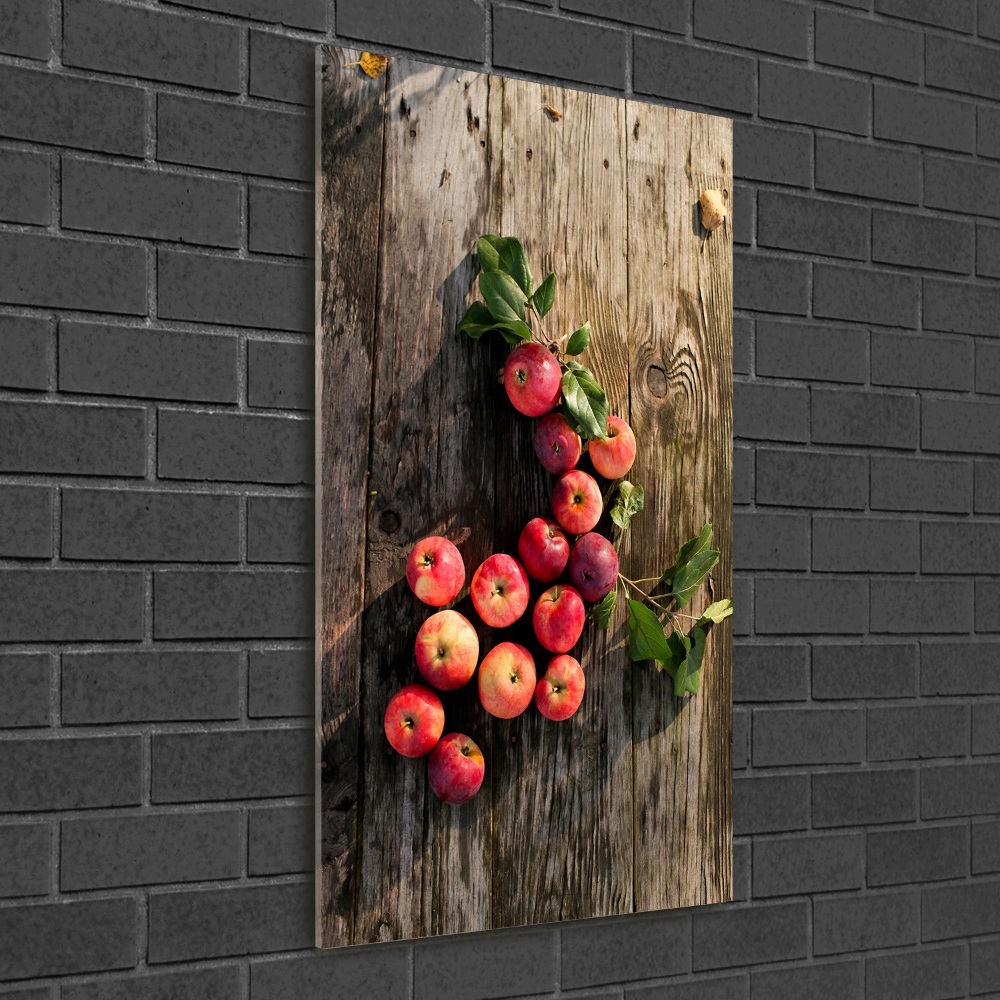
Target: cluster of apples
(447,645)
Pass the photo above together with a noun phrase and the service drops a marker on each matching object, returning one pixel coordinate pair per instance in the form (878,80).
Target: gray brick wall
(156,508)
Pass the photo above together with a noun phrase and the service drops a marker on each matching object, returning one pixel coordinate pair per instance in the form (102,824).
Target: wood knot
(389,521)
(528,155)
(656,381)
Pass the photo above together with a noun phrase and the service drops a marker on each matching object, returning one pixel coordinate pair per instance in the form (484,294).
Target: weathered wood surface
(626,806)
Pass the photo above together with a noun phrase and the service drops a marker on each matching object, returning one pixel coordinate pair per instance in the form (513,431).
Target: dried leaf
(713,209)
(373,65)
(552,112)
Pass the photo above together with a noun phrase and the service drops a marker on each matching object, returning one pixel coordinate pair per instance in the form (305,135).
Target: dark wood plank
(562,825)
(424,866)
(347,185)
(680,333)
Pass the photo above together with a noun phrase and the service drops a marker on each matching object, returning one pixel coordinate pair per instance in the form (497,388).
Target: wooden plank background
(627,806)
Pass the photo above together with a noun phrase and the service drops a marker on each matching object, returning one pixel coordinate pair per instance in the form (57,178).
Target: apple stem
(632,584)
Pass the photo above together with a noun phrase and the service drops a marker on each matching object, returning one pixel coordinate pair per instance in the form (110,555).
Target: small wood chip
(373,65)
(713,209)
(554,114)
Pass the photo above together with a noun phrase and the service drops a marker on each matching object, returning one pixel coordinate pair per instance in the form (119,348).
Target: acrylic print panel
(626,806)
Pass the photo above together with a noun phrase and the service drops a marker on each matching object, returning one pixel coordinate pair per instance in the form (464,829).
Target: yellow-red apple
(576,501)
(532,378)
(506,680)
(543,548)
(414,720)
(557,445)
(593,566)
(447,650)
(499,590)
(558,618)
(455,769)
(435,571)
(559,693)
(613,456)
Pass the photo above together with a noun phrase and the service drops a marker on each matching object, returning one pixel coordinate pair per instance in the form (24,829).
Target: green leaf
(692,575)
(692,664)
(504,299)
(545,295)
(584,400)
(691,547)
(600,614)
(486,251)
(717,612)
(645,634)
(631,500)
(476,321)
(504,254)
(579,340)
(514,332)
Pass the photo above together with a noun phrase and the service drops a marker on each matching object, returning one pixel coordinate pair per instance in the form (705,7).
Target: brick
(958,911)
(924,484)
(988,132)
(856,798)
(220,983)
(743,211)
(770,804)
(244,920)
(930,854)
(987,497)
(282,69)
(146,43)
(281,374)
(921,606)
(631,947)
(862,923)
(25,860)
(129,525)
(923,241)
(988,251)
(871,670)
(741,739)
(959,15)
(867,296)
(985,847)
(703,988)
(242,139)
(921,362)
(141,686)
(25,29)
(985,728)
(534,42)
(985,956)
(281,221)
(959,790)
(453,28)
(988,368)
(988,605)
(150,363)
(24,352)
(26,522)
(928,974)
(959,307)
(66,273)
(25,679)
(988,22)
(963,547)
(308,14)
(903,732)
(84,114)
(791,866)
(743,474)
(770,284)
(813,225)
(953,64)
(383,973)
(741,870)
(863,417)
(158,204)
(803,479)
(819,352)
(791,94)
(960,668)
(146,850)
(262,604)
(202,767)
(962,186)
(281,840)
(681,72)
(906,115)
(281,683)
(844,980)
(763,411)
(280,530)
(37,775)
(212,289)
(742,345)
(776,155)
(770,541)
(771,673)
(867,170)
(54,939)
(865,545)
(53,605)
(959,425)
(24,186)
(739,936)
(664,15)
(761,25)
(808,736)
(859,43)
(796,605)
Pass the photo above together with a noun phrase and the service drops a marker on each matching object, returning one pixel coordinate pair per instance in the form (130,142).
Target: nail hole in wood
(388,521)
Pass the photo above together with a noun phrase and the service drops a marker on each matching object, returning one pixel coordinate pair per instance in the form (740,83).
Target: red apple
(558,618)
(414,720)
(593,566)
(435,571)
(543,548)
(506,680)
(500,590)
(532,378)
(557,445)
(613,457)
(447,650)
(576,501)
(559,693)
(455,769)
